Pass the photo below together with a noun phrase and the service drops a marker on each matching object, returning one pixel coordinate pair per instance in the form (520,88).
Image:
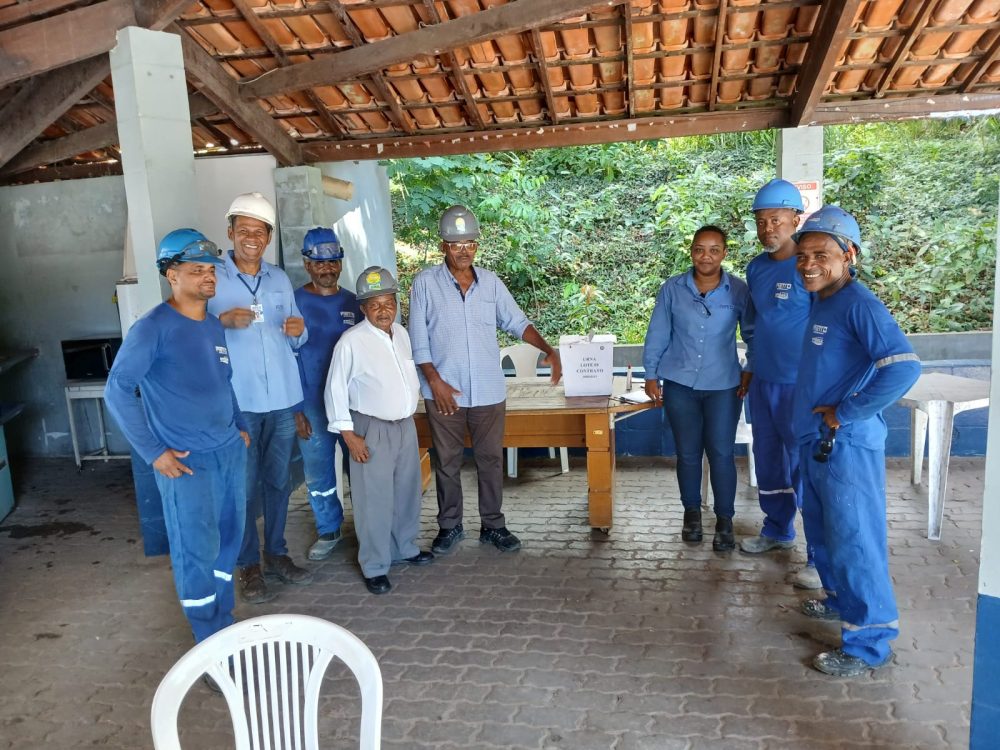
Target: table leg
(600,469)
(100,426)
(941,415)
(918,436)
(72,431)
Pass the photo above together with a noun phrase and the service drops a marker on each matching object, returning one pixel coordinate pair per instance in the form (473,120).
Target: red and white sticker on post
(812,197)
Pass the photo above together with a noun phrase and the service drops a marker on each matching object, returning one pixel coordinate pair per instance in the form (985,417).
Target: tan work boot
(282,568)
(253,589)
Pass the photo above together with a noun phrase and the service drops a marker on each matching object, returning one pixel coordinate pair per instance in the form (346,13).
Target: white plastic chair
(524,357)
(283,659)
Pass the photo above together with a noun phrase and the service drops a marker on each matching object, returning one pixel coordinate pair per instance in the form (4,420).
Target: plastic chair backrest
(524,358)
(282,660)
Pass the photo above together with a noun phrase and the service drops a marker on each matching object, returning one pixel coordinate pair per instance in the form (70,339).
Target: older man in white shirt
(371,394)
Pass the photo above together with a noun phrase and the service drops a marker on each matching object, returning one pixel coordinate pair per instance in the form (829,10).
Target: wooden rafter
(220,87)
(720,36)
(919,23)
(61,40)
(156,15)
(982,65)
(260,28)
(30,11)
(376,79)
(829,35)
(541,68)
(455,75)
(511,18)
(626,10)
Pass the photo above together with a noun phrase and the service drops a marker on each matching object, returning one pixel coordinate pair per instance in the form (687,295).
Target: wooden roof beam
(331,124)
(720,35)
(832,27)
(221,88)
(32,10)
(41,46)
(543,74)
(982,66)
(626,10)
(376,78)
(919,23)
(456,77)
(511,18)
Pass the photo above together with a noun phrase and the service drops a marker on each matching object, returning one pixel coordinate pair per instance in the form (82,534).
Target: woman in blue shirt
(691,347)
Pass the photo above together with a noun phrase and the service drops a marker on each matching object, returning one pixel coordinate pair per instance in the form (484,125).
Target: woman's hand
(653,390)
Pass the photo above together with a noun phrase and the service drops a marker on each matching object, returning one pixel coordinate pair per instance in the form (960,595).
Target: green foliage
(585,236)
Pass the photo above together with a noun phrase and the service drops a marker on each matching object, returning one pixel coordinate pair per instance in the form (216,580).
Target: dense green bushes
(584,236)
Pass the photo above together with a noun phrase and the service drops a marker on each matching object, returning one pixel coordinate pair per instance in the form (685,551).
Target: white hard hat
(254,205)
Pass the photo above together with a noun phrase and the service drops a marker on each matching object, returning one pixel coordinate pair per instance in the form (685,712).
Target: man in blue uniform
(263,326)
(187,424)
(782,307)
(855,362)
(328,311)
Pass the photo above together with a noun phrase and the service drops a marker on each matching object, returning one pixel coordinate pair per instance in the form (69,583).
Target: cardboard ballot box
(587,364)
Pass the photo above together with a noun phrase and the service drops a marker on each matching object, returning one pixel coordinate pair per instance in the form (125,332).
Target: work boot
(253,589)
(447,539)
(691,531)
(840,664)
(755,545)
(806,577)
(724,540)
(282,568)
(500,538)
(818,609)
(322,548)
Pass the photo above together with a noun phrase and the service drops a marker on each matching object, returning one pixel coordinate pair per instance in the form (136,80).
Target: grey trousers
(485,426)
(385,493)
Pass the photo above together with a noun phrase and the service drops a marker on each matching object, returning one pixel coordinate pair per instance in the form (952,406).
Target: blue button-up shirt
(265,371)
(458,335)
(691,340)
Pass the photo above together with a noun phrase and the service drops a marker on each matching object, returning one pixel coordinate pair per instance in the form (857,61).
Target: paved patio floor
(633,640)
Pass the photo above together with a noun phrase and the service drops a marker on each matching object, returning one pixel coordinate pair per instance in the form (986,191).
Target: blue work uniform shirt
(265,371)
(856,358)
(327,317)
(691,340)
(181,369)
(781,308)
(458,335)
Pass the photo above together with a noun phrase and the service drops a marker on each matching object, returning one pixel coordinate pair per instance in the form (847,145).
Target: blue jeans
(204,516)
(704,423)
(272,437)
(318,457)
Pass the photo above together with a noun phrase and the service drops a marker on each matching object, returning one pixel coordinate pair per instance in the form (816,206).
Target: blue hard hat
(186,246)
(837,223)
(778,194)
(321,244)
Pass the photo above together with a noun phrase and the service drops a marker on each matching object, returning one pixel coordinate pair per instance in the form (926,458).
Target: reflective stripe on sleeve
(886,361)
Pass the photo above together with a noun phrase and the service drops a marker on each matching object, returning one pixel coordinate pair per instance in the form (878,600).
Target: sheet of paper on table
(635,397)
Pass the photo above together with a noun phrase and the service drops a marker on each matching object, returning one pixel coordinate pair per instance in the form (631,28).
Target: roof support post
(799,155)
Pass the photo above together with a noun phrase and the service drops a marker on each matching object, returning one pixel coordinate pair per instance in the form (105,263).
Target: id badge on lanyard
(258,312)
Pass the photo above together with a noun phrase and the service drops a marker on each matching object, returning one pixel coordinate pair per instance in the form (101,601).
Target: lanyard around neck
(253,292)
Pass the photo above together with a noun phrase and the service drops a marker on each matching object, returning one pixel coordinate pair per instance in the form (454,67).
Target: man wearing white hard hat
(256,305)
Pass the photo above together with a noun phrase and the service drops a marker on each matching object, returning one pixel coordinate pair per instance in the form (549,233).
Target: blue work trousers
(272,438)
(204,514)
(843,511)
(776,452)
(704,423)
(318,463)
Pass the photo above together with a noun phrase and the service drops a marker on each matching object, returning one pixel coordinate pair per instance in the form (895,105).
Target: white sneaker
(755,545)
(806,577)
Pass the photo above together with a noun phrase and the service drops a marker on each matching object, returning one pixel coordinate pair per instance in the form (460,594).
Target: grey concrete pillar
(800,161)
(154,128)
(301,206)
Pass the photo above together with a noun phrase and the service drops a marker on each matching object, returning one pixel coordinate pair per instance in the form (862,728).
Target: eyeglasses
(704,306)
(825,446)
(325,251)
(469,245)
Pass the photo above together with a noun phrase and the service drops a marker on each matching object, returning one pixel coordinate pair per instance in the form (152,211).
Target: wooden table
(540,414)
(936,398)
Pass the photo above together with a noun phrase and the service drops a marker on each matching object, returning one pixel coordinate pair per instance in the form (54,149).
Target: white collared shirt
(371,373)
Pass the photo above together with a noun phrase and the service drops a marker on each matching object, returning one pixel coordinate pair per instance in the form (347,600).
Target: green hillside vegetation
(584,236)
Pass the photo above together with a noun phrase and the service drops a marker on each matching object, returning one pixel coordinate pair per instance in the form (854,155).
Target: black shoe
(500,538)
(421,558)
(691,531)
(378,585)
(447,539)
(724,540)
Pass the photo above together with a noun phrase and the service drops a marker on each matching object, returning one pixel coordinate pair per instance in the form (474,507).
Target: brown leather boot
(253,589)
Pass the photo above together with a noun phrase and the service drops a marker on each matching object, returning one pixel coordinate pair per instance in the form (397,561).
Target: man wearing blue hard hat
(188,425)
(855,362)
(782,306)
(328,310)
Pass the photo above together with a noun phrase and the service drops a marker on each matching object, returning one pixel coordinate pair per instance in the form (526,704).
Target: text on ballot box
(587,364)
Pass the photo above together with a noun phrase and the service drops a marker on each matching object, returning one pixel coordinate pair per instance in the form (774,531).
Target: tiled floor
(578,641)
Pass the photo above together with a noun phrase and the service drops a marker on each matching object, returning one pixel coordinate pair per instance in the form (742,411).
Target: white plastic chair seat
(282,660)
(524,357)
